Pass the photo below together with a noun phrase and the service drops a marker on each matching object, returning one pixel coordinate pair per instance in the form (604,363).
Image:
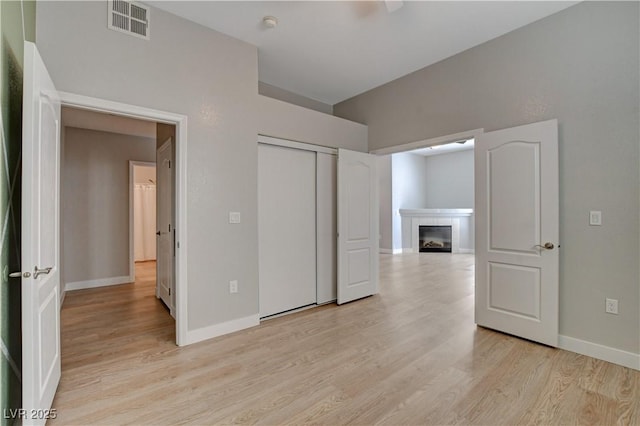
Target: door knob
(37,272)
(546,246)
(19,274)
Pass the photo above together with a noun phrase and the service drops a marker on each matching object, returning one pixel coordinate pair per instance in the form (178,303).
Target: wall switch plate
(234,217)
(233,286)
(611,306)
(595,218)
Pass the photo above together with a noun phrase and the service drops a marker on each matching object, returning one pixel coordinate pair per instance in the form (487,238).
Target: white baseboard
(204,333)
(390,251)
(595,350)
(410,250)
(101,282)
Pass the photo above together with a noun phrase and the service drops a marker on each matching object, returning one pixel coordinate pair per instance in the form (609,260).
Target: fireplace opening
(434,238)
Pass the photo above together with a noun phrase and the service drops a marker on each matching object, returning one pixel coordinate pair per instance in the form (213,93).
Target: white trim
(595,350)
(466,251)
(180,121)
(204,333)
(386,251)
(132,263)
(270,140)
(435,212)
(441,140)
(295,311)
(100,282)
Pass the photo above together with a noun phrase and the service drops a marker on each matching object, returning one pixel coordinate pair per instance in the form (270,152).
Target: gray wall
(95,214)
(386,212)
(409,177)
(214,82)
(287,121)
(293,98)
(449,180)
(580,66)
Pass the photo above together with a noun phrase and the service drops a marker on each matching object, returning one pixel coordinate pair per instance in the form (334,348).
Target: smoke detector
(270,21)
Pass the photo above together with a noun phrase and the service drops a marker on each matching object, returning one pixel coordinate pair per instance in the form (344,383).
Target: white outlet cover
(611,306)
(595,218)
(234,217)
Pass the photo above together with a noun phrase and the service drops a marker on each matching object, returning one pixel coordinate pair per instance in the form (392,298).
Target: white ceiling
(333,50)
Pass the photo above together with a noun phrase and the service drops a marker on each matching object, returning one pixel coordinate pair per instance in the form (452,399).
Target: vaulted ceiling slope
(330,51)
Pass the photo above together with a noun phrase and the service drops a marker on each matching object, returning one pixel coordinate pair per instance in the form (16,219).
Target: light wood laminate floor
(410,355)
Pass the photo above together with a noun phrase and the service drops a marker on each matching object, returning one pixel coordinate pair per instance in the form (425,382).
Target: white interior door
(286,228)
(164,263)
(40,239)
(516,175)
(358,224)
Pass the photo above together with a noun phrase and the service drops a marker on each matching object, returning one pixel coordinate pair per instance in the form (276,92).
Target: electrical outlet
(611,306)
(233,286)
(595,218)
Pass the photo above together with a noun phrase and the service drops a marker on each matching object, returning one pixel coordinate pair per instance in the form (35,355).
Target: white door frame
(132,166)
(440,140)
(410,146)
(180,121)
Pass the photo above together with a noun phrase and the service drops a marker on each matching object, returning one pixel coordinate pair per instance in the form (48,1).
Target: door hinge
(169,291)
(169,163)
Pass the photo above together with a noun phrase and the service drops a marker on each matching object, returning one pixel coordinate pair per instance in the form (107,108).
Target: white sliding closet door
(286,228)
(327,227)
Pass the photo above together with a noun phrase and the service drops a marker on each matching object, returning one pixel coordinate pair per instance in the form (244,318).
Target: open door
(357,225)
(40,239)
(516,175)
(164,263)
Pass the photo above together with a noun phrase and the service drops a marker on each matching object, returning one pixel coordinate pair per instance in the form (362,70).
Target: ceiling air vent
(129,17)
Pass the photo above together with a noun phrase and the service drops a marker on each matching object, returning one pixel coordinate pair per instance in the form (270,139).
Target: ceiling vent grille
(129,17)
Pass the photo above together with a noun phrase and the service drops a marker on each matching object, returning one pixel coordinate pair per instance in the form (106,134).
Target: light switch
(234,217)
(595,218)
